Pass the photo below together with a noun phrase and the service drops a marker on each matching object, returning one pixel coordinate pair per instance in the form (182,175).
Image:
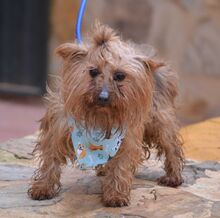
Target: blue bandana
(91,147)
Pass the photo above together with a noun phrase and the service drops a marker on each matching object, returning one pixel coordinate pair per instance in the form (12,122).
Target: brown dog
(141,94)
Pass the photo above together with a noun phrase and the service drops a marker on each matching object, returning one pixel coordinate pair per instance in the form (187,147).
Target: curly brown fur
(143,101)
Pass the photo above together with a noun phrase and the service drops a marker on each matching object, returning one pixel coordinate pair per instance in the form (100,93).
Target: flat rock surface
(21,148)
(80,195)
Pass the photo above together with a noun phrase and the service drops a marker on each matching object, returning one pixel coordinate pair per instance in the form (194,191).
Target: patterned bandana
(91,147)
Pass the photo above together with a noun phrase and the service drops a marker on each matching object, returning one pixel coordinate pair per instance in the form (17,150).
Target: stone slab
(80,194)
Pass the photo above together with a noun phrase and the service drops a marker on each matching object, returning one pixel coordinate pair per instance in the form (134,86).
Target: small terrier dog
(110,83)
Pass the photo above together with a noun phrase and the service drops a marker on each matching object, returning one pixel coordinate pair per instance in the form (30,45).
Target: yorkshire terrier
(109,84)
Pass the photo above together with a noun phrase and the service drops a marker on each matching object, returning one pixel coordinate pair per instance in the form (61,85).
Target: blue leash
(79,20)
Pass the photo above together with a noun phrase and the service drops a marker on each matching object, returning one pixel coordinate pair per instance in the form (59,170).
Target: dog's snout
(104,96)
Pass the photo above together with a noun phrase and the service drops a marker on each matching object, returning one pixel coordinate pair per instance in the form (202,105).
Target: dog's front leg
(119,175)
(52,149)
(46,182)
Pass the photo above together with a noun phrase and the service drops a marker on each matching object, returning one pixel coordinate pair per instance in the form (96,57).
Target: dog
(110,83)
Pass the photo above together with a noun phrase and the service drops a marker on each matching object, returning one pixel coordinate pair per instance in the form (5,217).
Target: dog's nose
(104,96)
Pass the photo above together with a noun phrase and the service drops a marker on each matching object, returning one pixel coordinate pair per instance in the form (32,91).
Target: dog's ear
(164,77)
(152,65)
(71,50)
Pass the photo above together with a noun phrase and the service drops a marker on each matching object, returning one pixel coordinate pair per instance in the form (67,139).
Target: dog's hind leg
(163,130)
(163,133)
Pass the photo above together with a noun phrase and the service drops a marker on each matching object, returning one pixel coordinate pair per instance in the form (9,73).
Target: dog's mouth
(100,108)
(103,104)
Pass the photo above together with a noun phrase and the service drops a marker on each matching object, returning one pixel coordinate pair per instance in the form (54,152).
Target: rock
(80,195)
(21,148)
(178,29)
(12,172)
(184,33)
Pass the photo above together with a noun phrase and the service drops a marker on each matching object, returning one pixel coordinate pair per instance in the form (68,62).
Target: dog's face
(105,83)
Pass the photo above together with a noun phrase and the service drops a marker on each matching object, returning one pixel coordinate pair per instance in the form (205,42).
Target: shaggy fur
(143,102)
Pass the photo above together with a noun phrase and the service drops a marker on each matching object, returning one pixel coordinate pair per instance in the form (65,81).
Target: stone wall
(184,32)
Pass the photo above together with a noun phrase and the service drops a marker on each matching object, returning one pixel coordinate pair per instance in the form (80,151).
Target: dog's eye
(119,76)
(94,72)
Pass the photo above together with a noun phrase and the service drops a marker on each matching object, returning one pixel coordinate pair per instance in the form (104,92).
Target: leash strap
(79,20)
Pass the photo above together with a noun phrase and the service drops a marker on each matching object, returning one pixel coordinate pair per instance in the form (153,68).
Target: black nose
(104,96)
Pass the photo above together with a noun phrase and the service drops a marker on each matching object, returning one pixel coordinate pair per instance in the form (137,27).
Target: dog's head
(106,82)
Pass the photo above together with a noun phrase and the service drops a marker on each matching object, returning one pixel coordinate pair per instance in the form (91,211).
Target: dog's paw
(37,193)
(170,181)
(116,201)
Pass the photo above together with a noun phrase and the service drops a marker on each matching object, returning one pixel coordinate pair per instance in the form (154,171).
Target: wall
(184,32)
